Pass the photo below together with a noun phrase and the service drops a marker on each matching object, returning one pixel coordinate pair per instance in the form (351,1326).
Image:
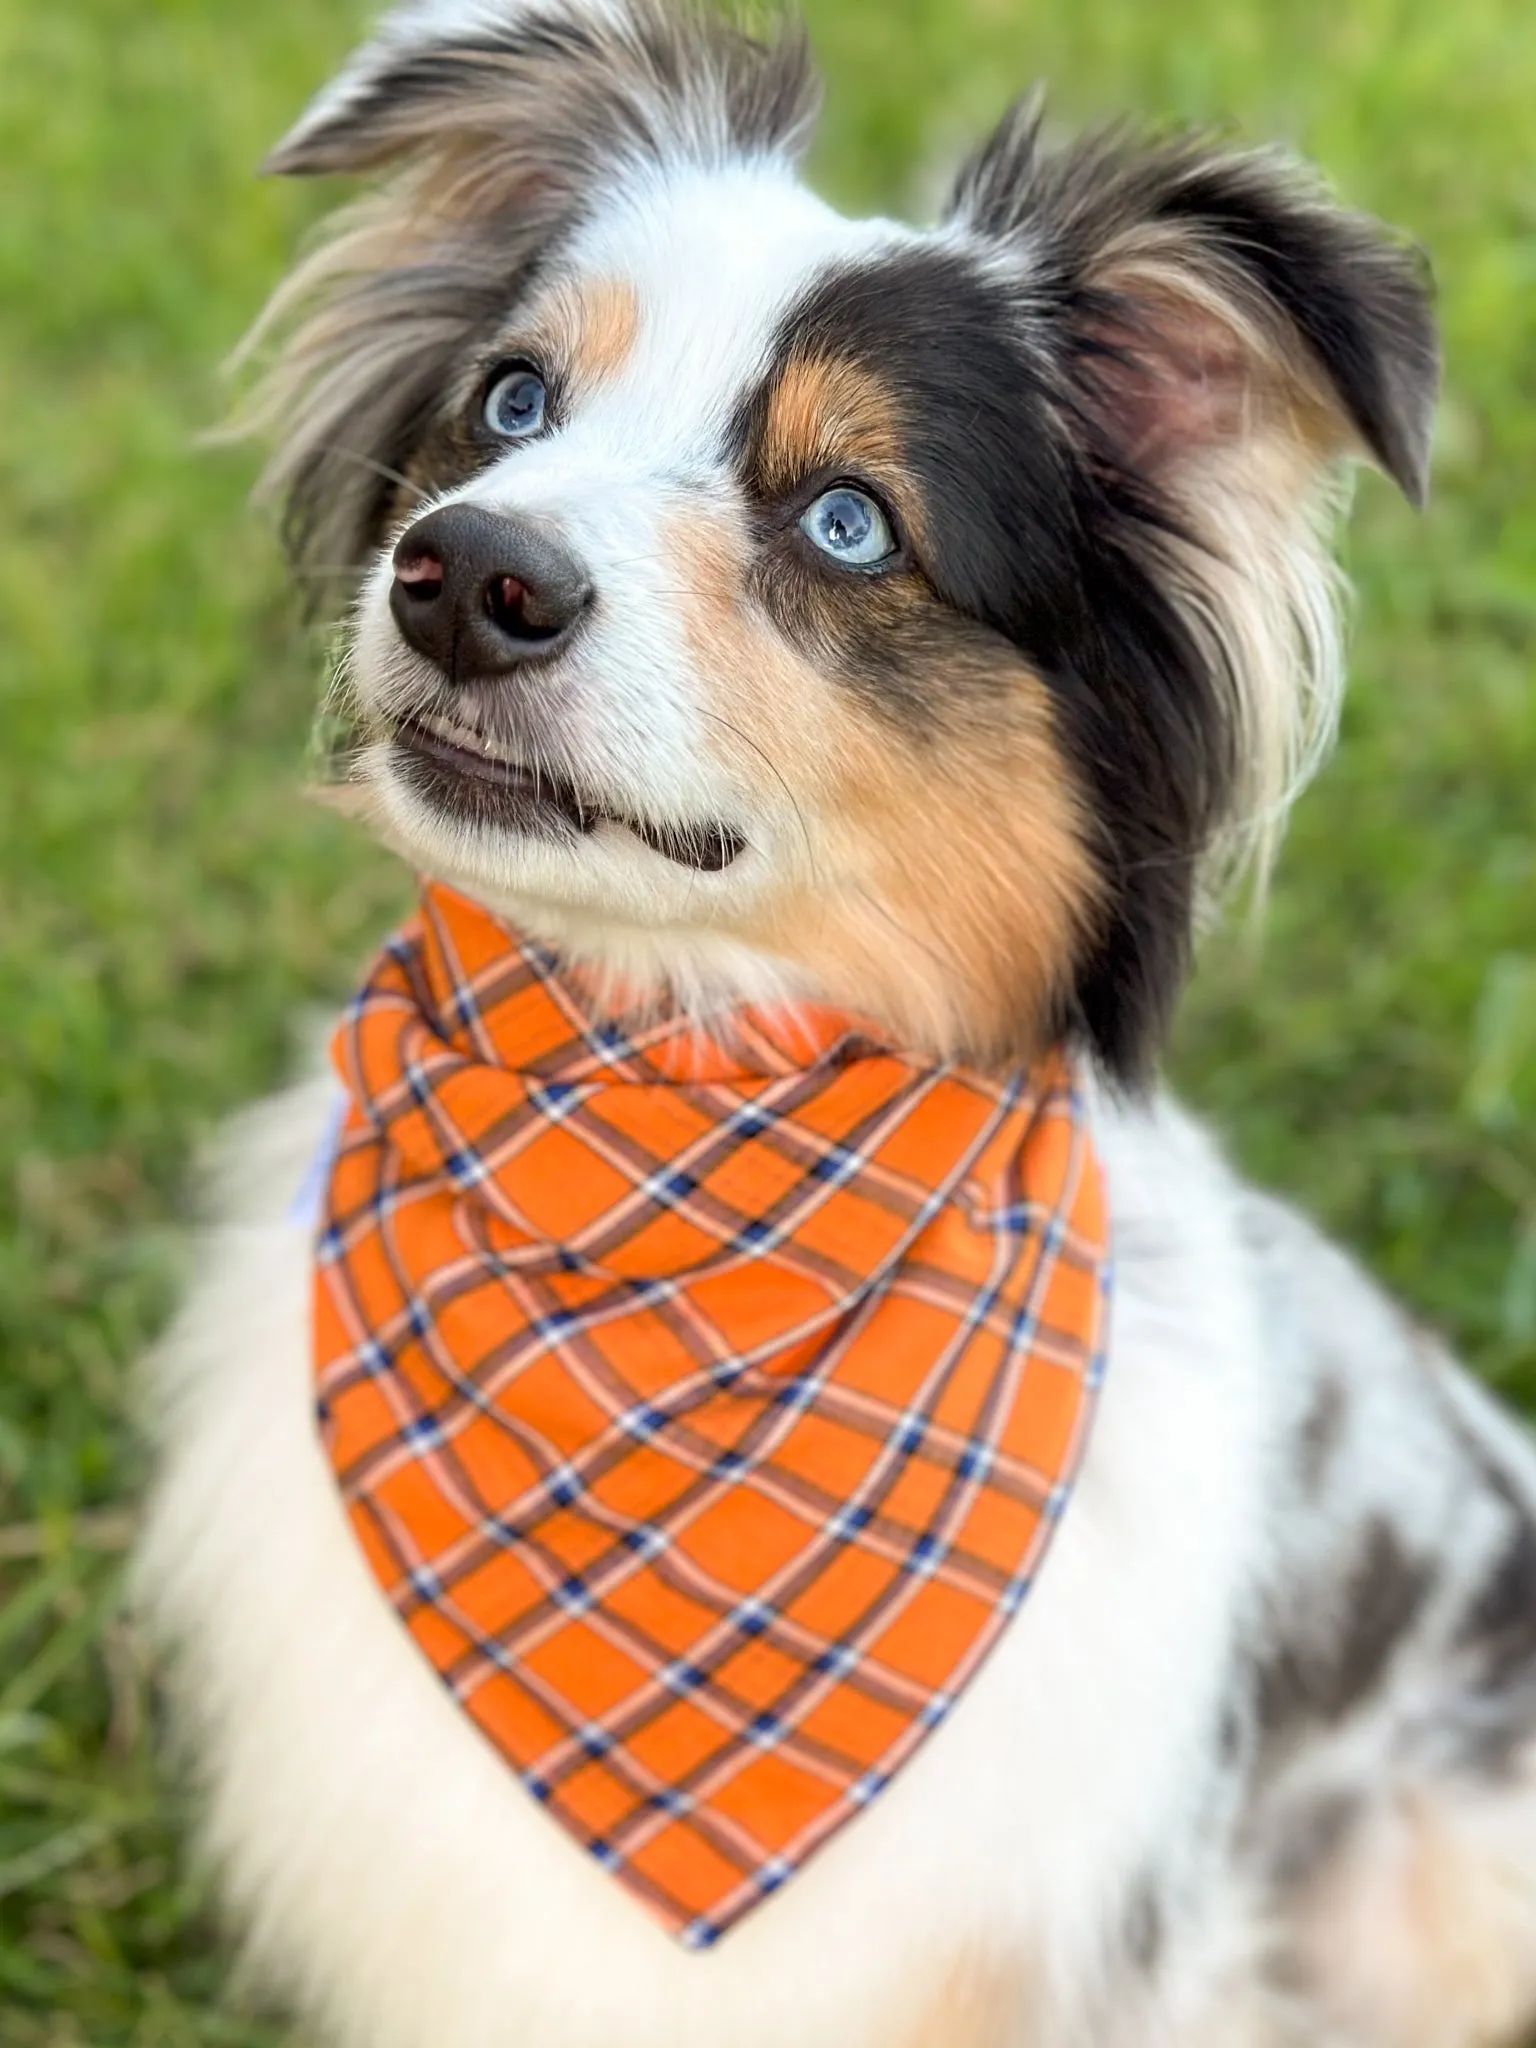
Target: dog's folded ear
(1209,298)
(586,78)
(1217,337)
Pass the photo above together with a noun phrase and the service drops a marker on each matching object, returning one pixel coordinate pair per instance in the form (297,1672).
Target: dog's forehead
(711,263)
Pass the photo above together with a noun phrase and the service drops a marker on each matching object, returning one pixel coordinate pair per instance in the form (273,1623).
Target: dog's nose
(481,592)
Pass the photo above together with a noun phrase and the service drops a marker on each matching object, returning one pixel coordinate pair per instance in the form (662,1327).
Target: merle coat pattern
(1256,1765)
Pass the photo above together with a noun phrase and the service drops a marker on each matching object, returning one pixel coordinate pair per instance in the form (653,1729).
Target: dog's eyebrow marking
(609,322)
(824,411)
(590,327)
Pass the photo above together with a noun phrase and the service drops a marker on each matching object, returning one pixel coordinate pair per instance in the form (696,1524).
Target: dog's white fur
(396,1880)
(1118,1838)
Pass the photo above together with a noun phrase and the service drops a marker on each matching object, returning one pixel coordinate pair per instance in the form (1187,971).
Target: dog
(764,611)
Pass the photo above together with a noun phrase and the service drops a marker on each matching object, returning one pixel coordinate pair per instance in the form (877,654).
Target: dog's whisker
(718,718)
(375,467)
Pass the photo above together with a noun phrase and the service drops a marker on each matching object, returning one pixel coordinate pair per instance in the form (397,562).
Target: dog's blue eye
(514,405)
(850,527)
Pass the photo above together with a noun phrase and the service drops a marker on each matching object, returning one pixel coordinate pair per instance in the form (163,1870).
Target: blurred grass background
(169,903)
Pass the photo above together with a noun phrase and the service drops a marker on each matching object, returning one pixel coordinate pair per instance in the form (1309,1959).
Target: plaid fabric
(704,1408)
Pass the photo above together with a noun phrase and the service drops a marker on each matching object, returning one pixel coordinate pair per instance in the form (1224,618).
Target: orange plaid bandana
(703,1408)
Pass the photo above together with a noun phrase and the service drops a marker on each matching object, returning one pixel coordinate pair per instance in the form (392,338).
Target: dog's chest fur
(1278,1664)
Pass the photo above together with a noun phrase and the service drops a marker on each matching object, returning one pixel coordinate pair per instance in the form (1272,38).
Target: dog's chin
(538,846)
(643,924)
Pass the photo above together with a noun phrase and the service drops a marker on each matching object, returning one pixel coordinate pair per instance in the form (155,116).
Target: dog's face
(766,604)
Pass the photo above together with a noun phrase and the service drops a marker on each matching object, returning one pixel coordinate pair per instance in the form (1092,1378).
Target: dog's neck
(632,968)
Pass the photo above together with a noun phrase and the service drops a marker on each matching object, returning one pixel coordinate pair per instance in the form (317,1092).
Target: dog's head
(767,604)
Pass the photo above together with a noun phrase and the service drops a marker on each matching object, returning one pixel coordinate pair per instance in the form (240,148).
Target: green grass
(169,903)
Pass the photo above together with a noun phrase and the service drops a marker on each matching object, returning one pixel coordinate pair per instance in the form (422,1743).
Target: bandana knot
(703,1403)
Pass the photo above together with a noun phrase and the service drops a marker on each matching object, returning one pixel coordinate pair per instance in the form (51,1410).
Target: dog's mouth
(459,769)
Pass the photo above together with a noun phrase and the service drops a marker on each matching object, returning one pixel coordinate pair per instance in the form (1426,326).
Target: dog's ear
(501,120)
(1217,337)
(1207,298)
